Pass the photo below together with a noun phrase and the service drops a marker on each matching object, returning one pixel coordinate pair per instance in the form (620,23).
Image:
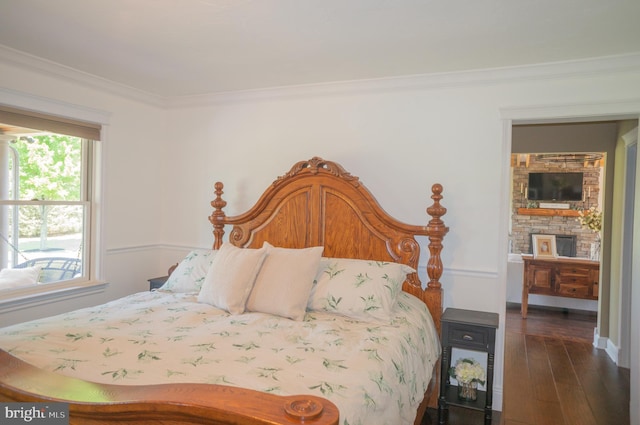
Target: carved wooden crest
(316,165)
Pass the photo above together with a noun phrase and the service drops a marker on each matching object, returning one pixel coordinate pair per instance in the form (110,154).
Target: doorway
(584,149)
(573,114)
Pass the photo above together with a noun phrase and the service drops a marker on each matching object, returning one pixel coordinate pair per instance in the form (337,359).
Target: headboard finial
(436,210)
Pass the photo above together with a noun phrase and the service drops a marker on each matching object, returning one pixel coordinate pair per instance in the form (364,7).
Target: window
(46,205)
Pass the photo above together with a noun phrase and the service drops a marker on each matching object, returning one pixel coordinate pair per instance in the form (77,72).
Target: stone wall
(523,225)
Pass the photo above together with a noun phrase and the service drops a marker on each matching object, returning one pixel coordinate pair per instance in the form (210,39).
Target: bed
(214,366)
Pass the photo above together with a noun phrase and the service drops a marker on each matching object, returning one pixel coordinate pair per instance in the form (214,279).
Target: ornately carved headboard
(319,203)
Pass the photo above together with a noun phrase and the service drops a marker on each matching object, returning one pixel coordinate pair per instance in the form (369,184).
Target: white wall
(399,136)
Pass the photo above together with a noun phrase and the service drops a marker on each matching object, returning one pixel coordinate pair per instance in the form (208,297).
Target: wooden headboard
(318,203)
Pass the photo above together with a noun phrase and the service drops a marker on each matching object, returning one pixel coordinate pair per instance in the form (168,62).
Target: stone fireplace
(572,240)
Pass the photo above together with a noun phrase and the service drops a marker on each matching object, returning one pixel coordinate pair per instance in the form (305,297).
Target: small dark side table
(157,282)
(469,330)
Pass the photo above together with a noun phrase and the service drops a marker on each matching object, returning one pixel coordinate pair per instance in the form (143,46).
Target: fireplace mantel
(549,212)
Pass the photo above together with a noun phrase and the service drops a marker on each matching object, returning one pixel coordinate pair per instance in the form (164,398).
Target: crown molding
(566,69)
(569,69)
(623,109)
(48,68)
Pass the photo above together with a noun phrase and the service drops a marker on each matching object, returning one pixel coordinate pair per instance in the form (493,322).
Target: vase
(468,391)
(594,254)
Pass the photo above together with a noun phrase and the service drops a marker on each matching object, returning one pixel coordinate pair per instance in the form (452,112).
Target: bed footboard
(93,403)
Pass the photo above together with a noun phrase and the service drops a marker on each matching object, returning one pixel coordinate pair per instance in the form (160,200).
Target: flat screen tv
(555,186)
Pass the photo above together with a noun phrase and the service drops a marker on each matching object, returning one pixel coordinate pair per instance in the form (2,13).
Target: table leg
(525,295)
(443,409)
(488,408)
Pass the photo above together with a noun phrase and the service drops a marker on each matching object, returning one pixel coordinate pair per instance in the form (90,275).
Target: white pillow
(16,278)
(360,289)
(284,282)
(190,273)
(231,277)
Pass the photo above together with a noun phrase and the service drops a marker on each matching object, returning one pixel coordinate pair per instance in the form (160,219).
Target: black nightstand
(469,330)
(157,282)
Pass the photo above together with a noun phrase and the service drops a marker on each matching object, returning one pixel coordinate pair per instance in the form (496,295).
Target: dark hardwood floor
(554,375)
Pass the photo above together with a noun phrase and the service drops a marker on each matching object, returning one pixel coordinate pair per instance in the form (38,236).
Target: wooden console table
(559,277)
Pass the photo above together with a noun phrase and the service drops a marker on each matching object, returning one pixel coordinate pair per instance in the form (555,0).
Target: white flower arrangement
(591,219)
(467,370)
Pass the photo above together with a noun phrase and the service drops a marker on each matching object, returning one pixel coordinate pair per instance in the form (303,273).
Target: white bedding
(375,373)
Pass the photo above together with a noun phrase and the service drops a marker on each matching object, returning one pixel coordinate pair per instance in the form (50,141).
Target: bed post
(436,230)
(217,216)
(433,293)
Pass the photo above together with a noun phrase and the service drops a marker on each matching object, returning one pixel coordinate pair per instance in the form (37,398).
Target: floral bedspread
(375,373)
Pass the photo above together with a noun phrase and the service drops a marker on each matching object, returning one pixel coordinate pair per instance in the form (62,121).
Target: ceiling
(173,48)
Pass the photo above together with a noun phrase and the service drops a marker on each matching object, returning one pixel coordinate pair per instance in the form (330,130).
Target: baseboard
(553,308)
(607,345)
(598,341)
(497,397)
(612,351)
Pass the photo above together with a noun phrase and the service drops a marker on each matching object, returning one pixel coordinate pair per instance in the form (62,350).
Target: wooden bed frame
(316,203)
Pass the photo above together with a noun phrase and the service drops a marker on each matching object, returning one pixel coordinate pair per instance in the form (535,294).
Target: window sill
(34,296)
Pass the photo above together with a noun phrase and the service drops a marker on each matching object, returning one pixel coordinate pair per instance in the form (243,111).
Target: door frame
(605,111)
(627,249)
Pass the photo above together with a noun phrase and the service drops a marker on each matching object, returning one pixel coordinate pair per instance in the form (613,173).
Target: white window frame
(16,299)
